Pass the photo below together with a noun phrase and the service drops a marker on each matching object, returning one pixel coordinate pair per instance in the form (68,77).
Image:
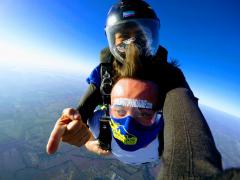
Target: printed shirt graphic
(143,155)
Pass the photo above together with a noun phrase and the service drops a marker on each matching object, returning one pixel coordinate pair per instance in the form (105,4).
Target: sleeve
(92,96)
(95,77)
(189,147)
(89,101)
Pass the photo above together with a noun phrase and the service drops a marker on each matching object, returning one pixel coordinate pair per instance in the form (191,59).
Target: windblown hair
(132,67)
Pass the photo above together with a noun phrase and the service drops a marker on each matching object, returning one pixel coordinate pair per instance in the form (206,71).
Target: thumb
(55,138)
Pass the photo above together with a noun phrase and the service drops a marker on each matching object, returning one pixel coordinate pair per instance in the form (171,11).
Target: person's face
(127,92)
(127,34)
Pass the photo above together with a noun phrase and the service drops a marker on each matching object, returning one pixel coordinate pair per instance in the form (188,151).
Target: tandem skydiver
(129,22)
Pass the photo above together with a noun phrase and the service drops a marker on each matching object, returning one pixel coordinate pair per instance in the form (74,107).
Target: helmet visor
(144,33)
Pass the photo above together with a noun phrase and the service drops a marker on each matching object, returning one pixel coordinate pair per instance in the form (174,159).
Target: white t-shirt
(143,155)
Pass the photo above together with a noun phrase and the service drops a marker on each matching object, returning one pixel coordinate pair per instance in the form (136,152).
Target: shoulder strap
(106,59)
(105,135)
(106,83)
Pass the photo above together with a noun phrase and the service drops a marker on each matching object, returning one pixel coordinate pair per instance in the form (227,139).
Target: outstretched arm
(189,148)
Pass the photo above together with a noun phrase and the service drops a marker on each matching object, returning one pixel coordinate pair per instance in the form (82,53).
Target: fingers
(73,114)
(57,133)
(73,127)
(77,133)
(70,129)
(55,138)
(94,147)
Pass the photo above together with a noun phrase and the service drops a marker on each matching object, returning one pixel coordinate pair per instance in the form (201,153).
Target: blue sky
(203,35)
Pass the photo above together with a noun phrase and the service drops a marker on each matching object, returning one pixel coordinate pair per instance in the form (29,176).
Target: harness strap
(105,134)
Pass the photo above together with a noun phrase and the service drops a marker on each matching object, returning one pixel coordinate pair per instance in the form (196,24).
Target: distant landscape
(225,129)
(31,103)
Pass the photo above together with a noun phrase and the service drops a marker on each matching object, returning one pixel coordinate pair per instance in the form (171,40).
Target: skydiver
(135,122)
(129,22)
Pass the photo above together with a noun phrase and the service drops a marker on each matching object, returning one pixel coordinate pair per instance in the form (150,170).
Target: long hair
(132,67)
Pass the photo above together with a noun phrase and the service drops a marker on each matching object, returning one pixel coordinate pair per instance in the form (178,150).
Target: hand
(93,146)
(68,128)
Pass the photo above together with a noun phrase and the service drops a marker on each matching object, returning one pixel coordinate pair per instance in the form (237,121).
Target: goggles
(141,115)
